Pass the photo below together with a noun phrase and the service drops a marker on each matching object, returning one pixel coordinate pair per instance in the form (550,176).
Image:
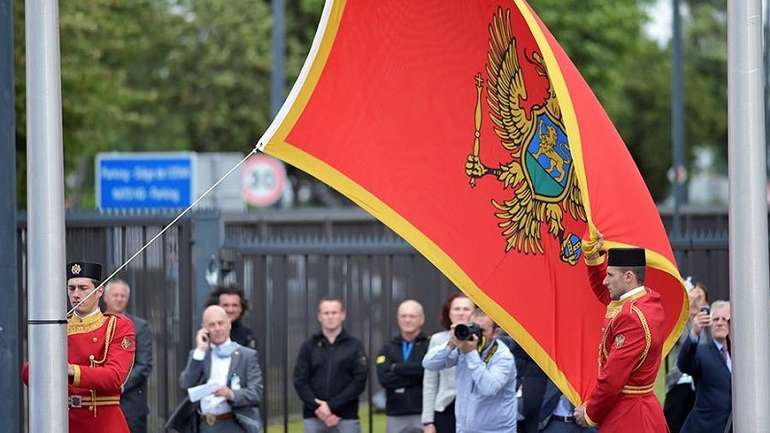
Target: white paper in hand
(198,392)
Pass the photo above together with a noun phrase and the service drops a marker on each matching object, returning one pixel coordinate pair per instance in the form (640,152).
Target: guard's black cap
(84,270)
(626,257)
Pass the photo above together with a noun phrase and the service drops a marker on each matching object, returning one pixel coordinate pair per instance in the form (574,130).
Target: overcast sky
(659,27)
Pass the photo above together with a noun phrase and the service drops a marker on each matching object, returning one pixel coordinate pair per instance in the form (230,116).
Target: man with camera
(708,361)
(486,376)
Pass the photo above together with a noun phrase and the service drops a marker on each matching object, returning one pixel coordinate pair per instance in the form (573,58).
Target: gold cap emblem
(75,269)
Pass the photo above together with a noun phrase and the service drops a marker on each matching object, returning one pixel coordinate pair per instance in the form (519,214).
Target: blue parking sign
(144,180)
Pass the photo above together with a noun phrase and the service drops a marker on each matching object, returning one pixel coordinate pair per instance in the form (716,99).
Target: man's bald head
(213,312)
(410,305)
(410,319)
(217,323)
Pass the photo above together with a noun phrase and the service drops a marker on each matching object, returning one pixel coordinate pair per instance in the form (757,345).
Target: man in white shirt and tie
(234,376)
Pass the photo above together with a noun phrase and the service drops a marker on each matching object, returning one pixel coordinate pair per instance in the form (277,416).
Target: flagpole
(10,297)
(278,71)
(677,173)
(45,229)
(748,218)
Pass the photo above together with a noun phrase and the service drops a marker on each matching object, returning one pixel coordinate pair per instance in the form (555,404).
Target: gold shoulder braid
(107,340)
(603,354)
(647,335)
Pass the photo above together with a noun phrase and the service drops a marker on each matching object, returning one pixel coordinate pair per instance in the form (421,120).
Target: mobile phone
(705,309)
(205,337)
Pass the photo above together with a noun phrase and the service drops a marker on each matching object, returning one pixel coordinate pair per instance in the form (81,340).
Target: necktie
(406,349)
(723,351)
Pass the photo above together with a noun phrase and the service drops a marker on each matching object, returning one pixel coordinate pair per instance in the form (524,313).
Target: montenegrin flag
(465,128)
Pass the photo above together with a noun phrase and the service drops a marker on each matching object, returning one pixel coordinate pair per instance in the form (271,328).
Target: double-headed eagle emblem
(541,171)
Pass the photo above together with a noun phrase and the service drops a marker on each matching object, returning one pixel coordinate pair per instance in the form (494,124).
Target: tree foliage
(195,74)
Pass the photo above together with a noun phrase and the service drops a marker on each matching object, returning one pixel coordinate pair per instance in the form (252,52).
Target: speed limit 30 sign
(264,178)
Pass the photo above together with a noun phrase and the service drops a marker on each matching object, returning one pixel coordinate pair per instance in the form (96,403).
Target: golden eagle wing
(505,85)
(573,201)
(521,216)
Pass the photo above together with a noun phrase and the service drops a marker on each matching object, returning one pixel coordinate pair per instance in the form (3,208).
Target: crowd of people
(469,377)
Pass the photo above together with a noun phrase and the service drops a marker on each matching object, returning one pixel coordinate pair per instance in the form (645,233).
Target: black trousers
(532,390)
(137,424)
(445,420)
(679,402)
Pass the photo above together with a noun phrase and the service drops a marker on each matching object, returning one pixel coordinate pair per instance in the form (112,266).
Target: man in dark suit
(133,398)
(531,380)
(556,413)
(542,406)
(708,362)
(680,389)
(233,379)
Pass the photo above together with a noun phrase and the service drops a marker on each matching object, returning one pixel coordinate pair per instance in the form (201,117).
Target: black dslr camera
(466,331)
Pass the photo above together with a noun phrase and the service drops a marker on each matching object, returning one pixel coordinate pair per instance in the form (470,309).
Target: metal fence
(161,282)
(287,264)
(287,261)
(701,248)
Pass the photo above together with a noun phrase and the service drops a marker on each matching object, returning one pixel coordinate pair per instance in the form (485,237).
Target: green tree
(627,71)
(217,87)
(705,55)
(631,75)
(101,41)
(195,74)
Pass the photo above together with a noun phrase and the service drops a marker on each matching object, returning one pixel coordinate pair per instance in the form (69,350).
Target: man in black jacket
(330,373)
(133,399)
(233,300)
(399,370)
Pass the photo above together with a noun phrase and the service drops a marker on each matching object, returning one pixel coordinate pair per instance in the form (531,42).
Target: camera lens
(462,332)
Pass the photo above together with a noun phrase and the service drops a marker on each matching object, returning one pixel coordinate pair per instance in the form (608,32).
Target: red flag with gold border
(465,128)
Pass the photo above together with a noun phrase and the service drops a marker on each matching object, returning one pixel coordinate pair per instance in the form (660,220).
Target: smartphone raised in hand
(202,337)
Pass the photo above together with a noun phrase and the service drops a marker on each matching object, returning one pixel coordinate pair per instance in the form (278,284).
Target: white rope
(144,247)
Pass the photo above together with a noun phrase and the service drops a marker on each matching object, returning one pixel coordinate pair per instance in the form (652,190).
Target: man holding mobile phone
(708,361)
(234,374)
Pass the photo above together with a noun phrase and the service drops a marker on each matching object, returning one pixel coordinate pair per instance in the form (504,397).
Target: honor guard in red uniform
(623,400)
(100,355)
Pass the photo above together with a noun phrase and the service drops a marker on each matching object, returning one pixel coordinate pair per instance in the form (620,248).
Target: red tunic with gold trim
(630,351)
(101,349)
